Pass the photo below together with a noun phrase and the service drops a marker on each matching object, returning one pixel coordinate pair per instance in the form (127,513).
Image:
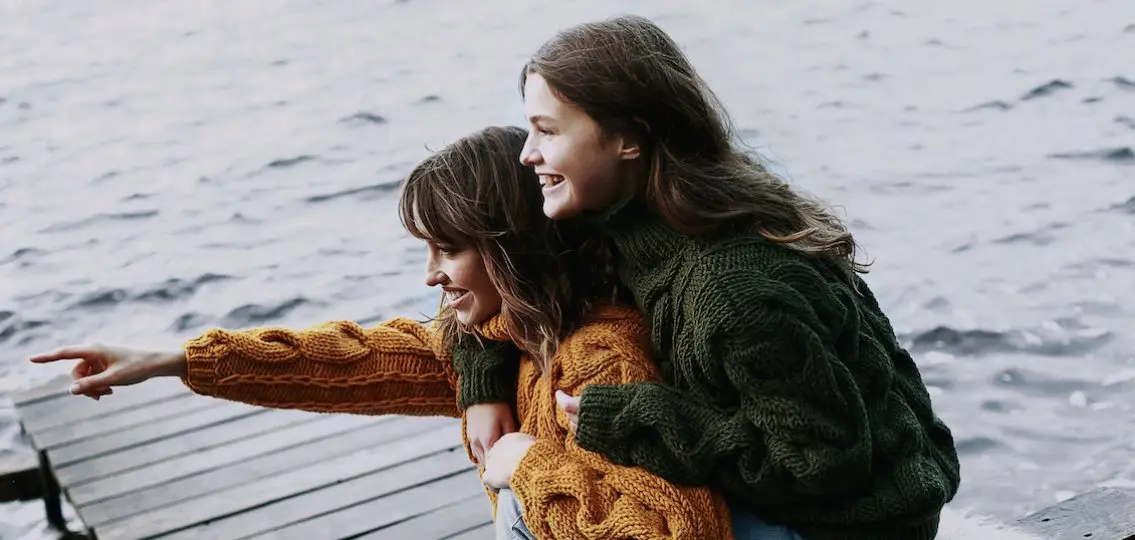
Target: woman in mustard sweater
(509,275)
(785,387)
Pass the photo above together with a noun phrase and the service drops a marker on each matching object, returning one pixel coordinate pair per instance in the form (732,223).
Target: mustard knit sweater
(398,367)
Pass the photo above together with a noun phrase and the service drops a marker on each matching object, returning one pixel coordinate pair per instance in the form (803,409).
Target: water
(166,167)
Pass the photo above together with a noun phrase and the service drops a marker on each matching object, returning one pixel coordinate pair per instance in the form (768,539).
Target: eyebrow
(539,118)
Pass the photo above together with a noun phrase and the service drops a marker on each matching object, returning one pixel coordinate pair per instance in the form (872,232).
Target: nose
(434,276)
(529,156)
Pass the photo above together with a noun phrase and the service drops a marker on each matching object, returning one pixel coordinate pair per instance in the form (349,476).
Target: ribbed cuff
(486,374)
(599,406)
(201,356)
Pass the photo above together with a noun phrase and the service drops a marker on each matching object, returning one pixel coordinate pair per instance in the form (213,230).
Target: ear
(629,149)
(630,145)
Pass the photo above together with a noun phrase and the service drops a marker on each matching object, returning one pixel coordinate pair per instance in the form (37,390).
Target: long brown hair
(631,77)
(476,194)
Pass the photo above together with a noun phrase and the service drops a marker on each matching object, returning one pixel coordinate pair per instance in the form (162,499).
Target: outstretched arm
(339,366)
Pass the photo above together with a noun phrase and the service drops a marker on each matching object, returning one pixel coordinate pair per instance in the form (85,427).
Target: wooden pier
(156,461)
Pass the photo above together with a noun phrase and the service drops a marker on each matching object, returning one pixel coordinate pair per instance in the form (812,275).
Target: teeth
(550,179)
(452,296)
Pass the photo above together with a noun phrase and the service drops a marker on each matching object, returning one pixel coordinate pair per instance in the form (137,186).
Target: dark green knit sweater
(785,389)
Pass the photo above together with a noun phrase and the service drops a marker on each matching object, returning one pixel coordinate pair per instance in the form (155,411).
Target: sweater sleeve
(487,371)
(800,430)
(339,366)
(568,487)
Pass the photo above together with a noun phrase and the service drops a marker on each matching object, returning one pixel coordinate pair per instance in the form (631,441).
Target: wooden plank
(52,389)
(445,469)
(442,522)
(221,512)
(79,474)
(71,433)
(1100,514)
(211,415)
(43,415)
(386,510)
(246,471)
(485,532)
(181,457)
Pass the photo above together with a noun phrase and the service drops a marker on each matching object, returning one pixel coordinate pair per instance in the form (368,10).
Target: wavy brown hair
(476,194)
(631,77)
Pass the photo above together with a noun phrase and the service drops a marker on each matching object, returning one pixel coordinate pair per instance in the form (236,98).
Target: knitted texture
(487,369)
(569,492)
(392,368)
(398,368)
(784,388)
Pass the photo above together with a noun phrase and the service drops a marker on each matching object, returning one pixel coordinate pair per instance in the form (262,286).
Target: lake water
(167,166)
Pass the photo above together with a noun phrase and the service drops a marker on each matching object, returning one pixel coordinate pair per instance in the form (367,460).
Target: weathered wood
(54,388)
(485,532)
(237,473)
(392,507)
(109,427)
(45,414)
(116,474)
(443,522)
(136,436)
(156,461)
(1101,514)
(248,509)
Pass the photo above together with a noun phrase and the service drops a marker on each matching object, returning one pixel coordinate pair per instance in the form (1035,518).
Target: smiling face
(581,167)
(462,275)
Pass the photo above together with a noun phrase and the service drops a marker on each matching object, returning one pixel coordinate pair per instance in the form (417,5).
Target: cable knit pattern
(569,492)
(397,368)
(392,368)
(784,388)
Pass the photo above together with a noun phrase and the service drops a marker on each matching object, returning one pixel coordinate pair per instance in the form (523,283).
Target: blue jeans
(510,518)
(746,526)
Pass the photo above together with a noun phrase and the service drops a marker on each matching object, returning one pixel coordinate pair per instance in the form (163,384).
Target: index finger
(66,353)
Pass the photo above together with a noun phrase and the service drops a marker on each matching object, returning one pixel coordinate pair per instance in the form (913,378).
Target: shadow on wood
(19,478)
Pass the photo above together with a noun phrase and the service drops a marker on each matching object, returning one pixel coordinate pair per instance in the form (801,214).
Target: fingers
(478,451)
(92,384)
(490,476)
(490,479)
(67,353)
(568,403)
(98,393)
(508,425)
(493,437)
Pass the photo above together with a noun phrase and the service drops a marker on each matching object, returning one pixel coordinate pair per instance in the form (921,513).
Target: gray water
(167,166)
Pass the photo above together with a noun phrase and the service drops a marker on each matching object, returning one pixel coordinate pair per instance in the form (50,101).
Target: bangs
(430,207)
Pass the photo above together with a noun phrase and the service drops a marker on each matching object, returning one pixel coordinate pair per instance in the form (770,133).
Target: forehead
(539,100)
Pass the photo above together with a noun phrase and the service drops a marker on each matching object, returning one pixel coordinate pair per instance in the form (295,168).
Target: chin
(560,209)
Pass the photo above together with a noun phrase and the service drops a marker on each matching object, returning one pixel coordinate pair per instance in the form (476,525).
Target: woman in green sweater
(785,386)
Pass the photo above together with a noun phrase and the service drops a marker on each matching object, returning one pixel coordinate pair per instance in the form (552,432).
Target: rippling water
(167,166)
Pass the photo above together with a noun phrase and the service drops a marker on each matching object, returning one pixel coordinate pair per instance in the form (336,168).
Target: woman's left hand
(504,457)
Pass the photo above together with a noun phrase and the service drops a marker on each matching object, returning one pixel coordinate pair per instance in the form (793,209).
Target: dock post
(52,495)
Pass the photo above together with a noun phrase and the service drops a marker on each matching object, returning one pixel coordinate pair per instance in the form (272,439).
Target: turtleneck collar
(642,237)
(493,328)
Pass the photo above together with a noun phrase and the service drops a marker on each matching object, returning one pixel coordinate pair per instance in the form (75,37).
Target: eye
(543,131)
(448,251)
